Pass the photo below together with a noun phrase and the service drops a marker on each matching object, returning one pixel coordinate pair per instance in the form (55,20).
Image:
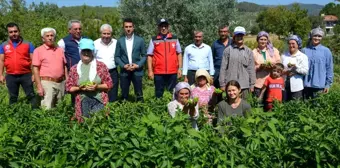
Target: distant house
(330,21)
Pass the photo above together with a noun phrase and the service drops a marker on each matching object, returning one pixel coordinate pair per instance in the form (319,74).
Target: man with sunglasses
(320,75)
(164,59)
(70,44)
(16,56)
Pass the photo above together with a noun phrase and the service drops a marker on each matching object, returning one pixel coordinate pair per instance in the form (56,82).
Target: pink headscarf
(269,43)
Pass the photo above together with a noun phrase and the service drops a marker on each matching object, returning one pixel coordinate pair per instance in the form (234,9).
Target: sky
(115,2)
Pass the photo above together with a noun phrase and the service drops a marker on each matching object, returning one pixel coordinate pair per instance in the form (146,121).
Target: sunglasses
(14,31)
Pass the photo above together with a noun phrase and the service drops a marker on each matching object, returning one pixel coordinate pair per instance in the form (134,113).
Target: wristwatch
(180,68)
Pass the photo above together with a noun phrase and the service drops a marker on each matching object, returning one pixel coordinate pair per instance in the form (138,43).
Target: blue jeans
(13,83)
(125,82)
(113,93)
(161,81)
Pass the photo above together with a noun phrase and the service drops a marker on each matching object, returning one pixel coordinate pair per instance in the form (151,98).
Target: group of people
(87,69)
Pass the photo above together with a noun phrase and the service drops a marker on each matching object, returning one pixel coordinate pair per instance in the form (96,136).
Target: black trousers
(13,83)
(125,82)
(113,93)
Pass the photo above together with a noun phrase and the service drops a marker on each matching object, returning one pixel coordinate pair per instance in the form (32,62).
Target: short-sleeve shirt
(204,96)
(50,60)
(274,88)
(15,44)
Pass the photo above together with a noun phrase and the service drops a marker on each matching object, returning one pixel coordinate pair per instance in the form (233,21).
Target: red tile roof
(330,18)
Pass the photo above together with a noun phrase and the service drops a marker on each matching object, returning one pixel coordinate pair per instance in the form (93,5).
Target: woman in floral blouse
(89,80)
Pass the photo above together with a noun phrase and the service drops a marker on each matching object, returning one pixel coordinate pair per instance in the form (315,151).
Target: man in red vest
(164,59)
(16,56)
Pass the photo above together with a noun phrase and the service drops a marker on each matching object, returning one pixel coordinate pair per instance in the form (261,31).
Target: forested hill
(313,9)
(98,11)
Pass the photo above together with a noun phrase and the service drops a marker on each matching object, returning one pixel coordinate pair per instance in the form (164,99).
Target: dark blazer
(138,55)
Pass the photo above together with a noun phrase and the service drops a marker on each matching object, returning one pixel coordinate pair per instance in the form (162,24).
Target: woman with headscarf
(89,81)
(263,54)
(296,67)
(320,74)
(181,96)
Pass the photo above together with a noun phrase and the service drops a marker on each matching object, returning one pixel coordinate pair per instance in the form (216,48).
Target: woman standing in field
(296,67)
(89,80)
(233,105)
(181,96)
(265,56)
(320,74)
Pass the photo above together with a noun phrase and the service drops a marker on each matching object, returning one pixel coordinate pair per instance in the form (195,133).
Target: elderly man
(238,64)
(70,43)
(105,48)
(16,56)
(320,75)
(164,59)
(49,69)
(197,56)
(131,56)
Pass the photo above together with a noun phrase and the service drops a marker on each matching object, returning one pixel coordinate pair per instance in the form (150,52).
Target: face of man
(106,36)
(316,40)
(49,38)
(13,33)
(223,33)
(75,30)
(239,39)
(198,38)
(128,28)
(163,28)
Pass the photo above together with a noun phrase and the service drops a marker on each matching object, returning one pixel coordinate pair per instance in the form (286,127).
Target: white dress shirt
(129,46)
(105,53)
(301,62)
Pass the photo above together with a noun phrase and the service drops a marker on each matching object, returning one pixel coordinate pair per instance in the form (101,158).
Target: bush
(296,134)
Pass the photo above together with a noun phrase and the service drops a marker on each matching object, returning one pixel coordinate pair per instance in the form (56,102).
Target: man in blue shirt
(197,56)
(217,50)
(320,60)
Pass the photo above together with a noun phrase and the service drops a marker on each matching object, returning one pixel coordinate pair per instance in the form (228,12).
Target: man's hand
(326,90)
(127,67)
(2,79)
(134,66)
(151,75)
(179,73)
(186,79)
(223,89)
(41,91)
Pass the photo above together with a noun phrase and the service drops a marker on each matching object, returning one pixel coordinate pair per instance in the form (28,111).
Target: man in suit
(130,55)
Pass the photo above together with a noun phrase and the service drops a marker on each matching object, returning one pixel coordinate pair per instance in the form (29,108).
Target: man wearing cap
(238,64)
(217,51)
(164,59)
(197,56)
(16,55)
(105,47)
(49,69)
(320,74)
(131,56)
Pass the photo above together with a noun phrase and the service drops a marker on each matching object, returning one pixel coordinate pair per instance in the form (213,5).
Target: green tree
(184,16)
(281,21)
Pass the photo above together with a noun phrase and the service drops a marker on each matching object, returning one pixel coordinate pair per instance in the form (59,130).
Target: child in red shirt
(274,84)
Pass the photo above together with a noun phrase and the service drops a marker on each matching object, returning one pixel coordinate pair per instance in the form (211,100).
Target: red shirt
(274,88)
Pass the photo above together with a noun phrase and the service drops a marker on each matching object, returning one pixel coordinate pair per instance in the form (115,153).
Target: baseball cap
(86,44)
(163,21)
(239,30)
